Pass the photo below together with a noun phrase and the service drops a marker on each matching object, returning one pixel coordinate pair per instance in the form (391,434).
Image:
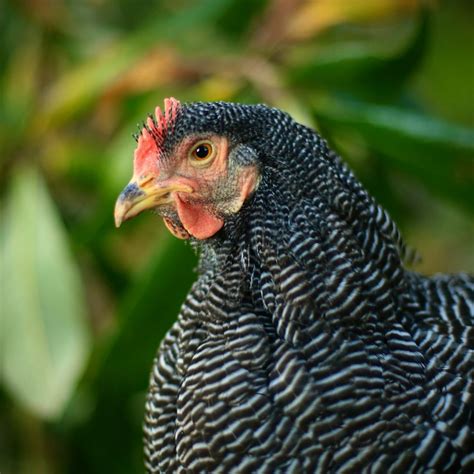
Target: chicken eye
(202,152)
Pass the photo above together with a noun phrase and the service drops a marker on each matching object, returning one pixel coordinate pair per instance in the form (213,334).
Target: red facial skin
(201,190)
(197,209)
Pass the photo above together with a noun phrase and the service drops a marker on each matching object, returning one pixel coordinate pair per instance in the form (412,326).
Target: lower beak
(146,194)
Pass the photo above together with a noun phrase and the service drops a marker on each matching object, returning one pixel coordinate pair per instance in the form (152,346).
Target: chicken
(305,345)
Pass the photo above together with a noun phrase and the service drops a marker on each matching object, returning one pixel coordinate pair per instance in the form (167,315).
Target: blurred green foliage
(390,83)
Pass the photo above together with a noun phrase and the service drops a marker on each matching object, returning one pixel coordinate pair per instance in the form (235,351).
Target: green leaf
(370,69)
(147,311)
(44,335)
(122,364)
(77,89)
(437,153)
(20,74)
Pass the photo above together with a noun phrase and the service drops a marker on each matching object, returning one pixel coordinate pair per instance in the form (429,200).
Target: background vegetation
(390,83)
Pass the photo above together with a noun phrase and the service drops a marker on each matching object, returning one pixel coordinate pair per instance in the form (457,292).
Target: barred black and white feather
(305,345)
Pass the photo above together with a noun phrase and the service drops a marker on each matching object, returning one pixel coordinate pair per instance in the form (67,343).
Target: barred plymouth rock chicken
(305,345)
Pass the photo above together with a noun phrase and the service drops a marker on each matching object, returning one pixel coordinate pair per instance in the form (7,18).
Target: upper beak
(143,194)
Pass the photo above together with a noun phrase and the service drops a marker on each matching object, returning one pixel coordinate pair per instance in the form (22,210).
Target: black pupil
(202,151)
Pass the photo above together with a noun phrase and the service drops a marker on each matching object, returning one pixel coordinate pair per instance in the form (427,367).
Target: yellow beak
(143,194)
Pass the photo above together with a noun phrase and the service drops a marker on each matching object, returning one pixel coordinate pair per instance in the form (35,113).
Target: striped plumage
(305,345)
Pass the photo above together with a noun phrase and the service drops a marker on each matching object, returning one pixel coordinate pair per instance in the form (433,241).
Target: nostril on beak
(144,181)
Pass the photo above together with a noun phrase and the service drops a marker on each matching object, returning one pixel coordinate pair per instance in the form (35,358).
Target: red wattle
(199,222)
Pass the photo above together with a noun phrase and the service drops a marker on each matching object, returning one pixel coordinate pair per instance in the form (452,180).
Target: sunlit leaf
(45,339)
(317,15)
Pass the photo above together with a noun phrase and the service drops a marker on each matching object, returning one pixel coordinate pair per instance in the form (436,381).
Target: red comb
(153,133)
